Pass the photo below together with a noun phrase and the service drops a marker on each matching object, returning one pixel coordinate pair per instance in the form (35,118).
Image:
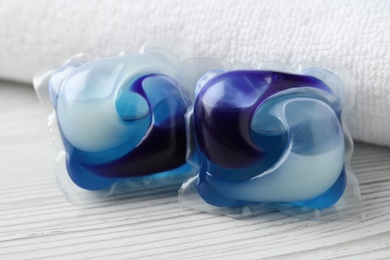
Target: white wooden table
(37,222)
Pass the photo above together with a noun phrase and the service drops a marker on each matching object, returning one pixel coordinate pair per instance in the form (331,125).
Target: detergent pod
(270,138)
(121,122)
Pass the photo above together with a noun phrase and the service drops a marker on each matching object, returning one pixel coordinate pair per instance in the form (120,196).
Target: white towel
(356,34)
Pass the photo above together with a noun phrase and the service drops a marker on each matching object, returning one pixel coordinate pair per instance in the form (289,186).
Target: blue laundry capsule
(265,136)
(120,118)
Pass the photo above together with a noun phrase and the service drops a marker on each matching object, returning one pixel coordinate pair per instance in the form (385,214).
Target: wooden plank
(37,222)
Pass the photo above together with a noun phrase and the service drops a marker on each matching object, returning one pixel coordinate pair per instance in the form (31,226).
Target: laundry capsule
(120,118)
(268,136)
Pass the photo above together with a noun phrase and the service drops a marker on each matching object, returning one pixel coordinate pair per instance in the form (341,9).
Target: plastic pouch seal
(117,123)
(270,138)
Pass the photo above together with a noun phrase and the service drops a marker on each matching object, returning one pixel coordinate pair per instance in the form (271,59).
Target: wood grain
(36,222)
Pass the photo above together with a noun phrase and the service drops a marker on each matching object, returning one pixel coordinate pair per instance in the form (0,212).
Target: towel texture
(355,34)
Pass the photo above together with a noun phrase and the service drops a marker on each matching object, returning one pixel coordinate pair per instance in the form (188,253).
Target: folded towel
(356,34)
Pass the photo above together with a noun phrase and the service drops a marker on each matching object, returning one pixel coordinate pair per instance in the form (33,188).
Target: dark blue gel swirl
(231,151)
(161,151)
